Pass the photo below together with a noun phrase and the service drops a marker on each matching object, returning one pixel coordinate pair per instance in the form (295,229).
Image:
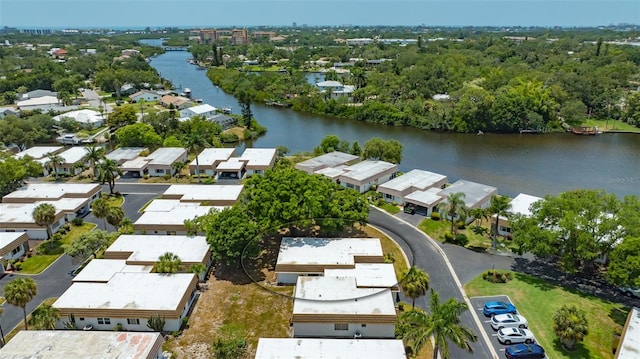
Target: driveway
(478,303)
(95,100)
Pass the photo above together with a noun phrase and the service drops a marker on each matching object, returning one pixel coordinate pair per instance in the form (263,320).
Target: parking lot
(478,303)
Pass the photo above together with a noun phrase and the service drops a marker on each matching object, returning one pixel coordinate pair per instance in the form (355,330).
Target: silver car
(508,321)
(510,336)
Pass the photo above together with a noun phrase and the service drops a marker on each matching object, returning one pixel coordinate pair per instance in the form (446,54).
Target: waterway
(533,164)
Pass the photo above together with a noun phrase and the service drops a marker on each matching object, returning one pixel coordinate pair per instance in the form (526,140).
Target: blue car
(524,351)
(493,308)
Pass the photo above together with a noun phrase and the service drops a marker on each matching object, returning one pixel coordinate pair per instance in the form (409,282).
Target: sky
(222,13)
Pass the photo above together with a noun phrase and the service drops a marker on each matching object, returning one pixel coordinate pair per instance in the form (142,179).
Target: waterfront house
(398,188)
(209,159)
(520,205)
(476,195)
(424,202)
(331,159)
(178,102)
(336,88)
(288,348)
(87,118)
(145,95)
(363,175)
(205,110)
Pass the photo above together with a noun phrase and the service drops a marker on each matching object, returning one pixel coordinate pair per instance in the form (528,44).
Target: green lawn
(611,125)
(115,201)
(537,300)
(389,208)
(437,229)
(39,262)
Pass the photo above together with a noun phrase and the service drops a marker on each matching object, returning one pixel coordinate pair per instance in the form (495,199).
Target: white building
(145,95)
(18,217)
(205,110)
(332,159)
(72,344)
(158,163)
(123,154)
(74,162)
(369,275)
(34,192)
(216,195)
(167,216)
(336,307)
(9,110)
(129,299)
(39,152)
(44,103)
(88,118)
(102,270)
(398,188)
(294,348)
(363,175)
(425,202)
(253,161)
(476,195)
(337,88)
(209,159)
(312,256)
(629,345)
(12,246)
(521,205)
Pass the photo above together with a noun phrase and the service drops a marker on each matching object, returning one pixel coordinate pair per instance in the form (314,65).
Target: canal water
(514,163)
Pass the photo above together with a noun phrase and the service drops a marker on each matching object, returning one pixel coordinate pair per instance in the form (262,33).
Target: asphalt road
(430,257)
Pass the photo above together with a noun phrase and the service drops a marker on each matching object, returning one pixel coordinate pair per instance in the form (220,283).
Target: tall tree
(195,143)
(385,150)
(168,263)
(229,233)
(44,317)
(442,322)
(108,171)
(20,292)
(94,154)
(414,284)
(115,216)
(499,206)
(570,325)
(624,263)
(45,215)
(54,162)
(244,100)
(100,209)
(88,243)
(452,207)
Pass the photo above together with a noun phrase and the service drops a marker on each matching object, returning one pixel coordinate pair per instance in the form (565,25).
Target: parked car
(508,321)
(631,291)
(524,351)
(510,336)
(493,308)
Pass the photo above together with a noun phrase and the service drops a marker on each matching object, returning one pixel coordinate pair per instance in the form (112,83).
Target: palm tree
(178,166)
(479,214)
(499,206)
(115,216)
(415,283)
(45,317)
(168,263)
(94,154)
(19,292)
(54,162)
(570,325)
(453,205)
(108,171)
(442,322)
(100,209)
(194,144)
(45,215)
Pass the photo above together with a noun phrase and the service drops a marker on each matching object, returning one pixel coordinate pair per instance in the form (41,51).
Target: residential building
(476,195)
(363,175)
(223,120)
(360,41)
(167,216)
(9,111)
(123,154)
(12,246)
(240,37)
(88,118)
(39,152)
(129,299)
(520,205)
(130,52)
(331,159)
(424,202)
(335,307)
(37,94)
(74,162)
(396,189)
(258,159)
(233,168)
(102,270)
(205,110)
(145,95)
(629,345)
(369,275)
(294,348)
(44,103)
(217,195)
(34,192)
(144,250)
(178,102)
(128,89)
(59,53)
(158,163)
(74,344)
(209,159)
(336,88)
(312,256)
(18,217)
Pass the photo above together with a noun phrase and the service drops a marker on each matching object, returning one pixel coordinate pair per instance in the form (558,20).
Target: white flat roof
(522,202)
(426,198)
(474,192)
(331,172)
(173,212)
(82,116)
(166,155)
(330,159)
(51,191)
(73,344)
(340,295)
(368,275)
(329,83)
(200,109)
(205,193)
(258,156)
(73,154)
(136,164)
(330,251)
(295,348)
(124,153)
(419,179)
(141,291)
(630,346)
(39,101)
(212,155)
(147,248)
(6,238)
(233,164)
(38,152)
(367,169)
(102,270)
(23,212)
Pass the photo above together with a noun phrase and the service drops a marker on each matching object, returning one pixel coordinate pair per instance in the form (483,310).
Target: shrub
(57,236)
(388,258)
(435,216)
(167,176)
(41,250)
(228,137)
(118,327)
(448,237)
(17,266)
(461,239)
(495,276)
(461,225)
(146,176)
(78,221)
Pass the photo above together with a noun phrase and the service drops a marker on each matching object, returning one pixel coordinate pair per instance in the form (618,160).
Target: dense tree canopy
(138,135)
(385,150)
(13,172)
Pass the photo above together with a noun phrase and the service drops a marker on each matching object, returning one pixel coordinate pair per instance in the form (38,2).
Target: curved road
(425,254)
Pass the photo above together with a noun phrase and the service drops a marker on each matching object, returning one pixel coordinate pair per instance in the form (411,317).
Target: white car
(508,321)
(631,291)
(510,336)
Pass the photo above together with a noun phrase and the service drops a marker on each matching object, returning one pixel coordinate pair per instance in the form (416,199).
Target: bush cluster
(435,216)
(459,239)
(495,276)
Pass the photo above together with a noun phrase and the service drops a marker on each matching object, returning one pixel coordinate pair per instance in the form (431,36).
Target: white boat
(226,109)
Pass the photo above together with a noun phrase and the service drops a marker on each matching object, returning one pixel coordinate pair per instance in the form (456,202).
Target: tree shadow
(580,351)
(541,284)
(619,315)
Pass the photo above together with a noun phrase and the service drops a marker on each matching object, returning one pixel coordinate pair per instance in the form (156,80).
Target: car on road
(631,291)
(494,308)
(508,321)
(524,351)
(510,336)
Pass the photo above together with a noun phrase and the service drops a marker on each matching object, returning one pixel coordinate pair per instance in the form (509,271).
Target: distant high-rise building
(295,24)
(239,37)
